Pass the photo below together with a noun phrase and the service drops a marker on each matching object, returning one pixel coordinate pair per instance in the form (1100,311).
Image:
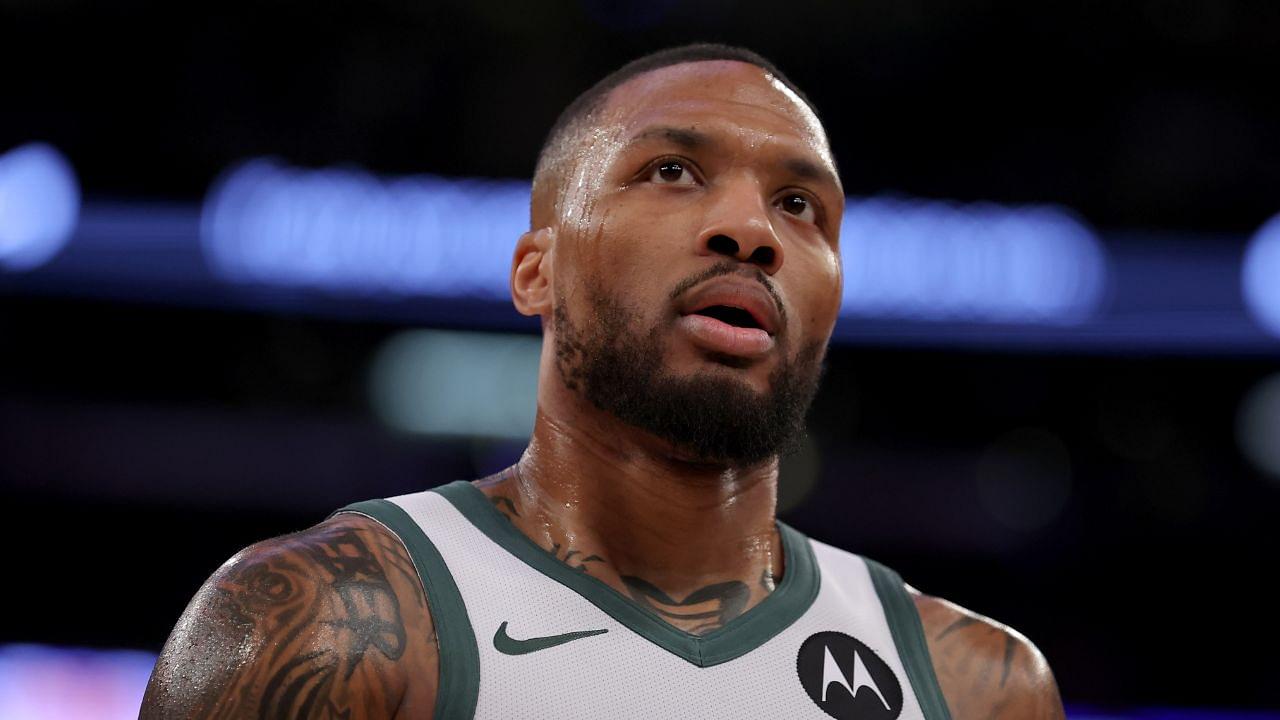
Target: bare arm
(326,623)
(987,670)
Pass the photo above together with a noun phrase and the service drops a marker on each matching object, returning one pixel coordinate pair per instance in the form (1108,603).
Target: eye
(671,172)
(800,206)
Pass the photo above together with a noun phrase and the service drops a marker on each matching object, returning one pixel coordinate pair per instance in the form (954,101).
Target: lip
(721,337)
(737,293)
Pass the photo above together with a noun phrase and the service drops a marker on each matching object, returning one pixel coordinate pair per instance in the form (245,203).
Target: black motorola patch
(847,679)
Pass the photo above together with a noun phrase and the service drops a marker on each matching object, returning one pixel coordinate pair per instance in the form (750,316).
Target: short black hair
(578,112)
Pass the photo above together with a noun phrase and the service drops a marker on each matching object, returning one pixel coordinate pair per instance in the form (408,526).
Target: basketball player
(683,259)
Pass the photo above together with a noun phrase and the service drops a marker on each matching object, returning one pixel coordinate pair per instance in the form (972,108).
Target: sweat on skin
(697,181)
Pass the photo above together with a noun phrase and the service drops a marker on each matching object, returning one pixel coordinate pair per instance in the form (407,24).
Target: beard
(710,416)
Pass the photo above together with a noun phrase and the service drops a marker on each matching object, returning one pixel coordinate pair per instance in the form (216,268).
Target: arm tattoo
(701,611)
(987,671)
(960,624)
(371,612)
(307,626)
(1010,649)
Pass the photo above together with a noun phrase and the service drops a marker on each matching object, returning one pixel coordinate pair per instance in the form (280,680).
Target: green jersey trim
(459,664)
(791,599)
(908,636)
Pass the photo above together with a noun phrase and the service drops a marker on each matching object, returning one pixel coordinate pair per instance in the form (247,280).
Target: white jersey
(524,635)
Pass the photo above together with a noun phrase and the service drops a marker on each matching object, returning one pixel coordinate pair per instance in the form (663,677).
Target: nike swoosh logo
(507,645)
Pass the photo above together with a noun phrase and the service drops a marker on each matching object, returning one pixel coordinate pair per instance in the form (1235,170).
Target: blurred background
(253,266)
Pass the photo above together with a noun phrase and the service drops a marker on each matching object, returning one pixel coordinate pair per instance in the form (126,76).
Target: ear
(531,273)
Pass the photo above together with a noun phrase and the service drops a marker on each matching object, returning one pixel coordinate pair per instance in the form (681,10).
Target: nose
(738,226)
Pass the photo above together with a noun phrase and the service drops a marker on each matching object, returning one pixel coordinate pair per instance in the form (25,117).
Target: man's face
(697,267)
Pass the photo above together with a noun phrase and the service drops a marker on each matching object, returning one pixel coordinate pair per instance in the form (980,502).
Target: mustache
(728,267)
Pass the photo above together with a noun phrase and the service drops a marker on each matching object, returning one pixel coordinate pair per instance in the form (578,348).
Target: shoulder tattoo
(317,624)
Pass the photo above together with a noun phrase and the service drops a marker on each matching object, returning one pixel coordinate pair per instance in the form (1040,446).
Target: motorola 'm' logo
(847,679)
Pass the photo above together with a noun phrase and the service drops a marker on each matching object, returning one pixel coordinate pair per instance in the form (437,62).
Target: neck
(626,508)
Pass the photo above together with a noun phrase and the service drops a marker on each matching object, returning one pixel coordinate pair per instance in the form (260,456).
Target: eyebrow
(690,139)
(809,170)
(684,137)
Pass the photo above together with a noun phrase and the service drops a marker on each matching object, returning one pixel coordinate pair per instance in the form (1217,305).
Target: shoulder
(986,669)
(330,621)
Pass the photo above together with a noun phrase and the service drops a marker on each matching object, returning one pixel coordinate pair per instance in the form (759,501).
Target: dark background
(1158,114)
(143,444)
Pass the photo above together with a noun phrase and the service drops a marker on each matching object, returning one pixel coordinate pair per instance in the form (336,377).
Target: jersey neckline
(790,599)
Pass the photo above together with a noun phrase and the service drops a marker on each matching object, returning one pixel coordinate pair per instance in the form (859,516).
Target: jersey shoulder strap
(908,637)
(459,664)
(460,656)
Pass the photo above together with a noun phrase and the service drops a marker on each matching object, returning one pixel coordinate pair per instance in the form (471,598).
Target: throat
(696,582)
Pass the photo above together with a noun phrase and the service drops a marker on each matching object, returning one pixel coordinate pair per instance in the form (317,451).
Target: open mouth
(736,317)
(729,331)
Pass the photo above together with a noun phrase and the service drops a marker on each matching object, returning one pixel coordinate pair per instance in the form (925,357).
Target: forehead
(742,98)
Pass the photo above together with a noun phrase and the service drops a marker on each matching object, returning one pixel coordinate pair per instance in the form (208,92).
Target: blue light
(350,232)
(39,205)
(1078,712)
(1261,282)
(42,682)
(938,261)
(347,231)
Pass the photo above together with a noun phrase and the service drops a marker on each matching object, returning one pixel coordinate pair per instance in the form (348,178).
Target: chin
(729,369)
(695,359)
